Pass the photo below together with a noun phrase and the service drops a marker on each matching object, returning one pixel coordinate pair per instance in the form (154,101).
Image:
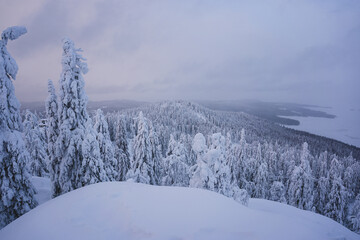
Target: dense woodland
(173,143)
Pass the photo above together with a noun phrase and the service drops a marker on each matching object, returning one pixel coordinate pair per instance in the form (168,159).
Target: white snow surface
(43,188)
(344,127)
(125,210)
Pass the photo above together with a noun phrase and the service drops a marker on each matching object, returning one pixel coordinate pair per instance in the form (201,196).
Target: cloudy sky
(304,51)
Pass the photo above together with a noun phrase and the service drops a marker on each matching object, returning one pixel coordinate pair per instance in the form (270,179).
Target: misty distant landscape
(309,118)
(185,119)
(276,112)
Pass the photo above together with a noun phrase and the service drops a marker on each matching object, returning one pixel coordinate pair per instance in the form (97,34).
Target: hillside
(191,118)
(187,115)
(125,210)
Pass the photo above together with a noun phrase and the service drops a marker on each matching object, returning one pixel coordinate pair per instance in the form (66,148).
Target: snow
(13,33)
(125,210)
(344,127)
(43,189)
(199,143)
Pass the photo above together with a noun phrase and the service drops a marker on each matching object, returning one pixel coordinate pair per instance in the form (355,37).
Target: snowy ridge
(184,116)
(124,210)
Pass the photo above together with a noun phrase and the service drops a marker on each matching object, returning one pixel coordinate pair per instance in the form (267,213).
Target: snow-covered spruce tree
(277,192)
(239,195)
(121,148)
(52,132)
(356,177)
(217,160)
(261,181)
(92,168)
(16,190)
(73,117)
(322,194)
(238,162)
(201,175)
(254,161)
(211,170)
(186,141)
(321,184)
(143,164)
(337,196)
(176,170)
(111,164)
(242,160)
(288,158)
(156,153)
(36,146)
(301,183)
(349,182)
(231,159)
(354,216)
(272,163)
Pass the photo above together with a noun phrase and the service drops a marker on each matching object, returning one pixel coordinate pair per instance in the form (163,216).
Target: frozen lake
(344,127)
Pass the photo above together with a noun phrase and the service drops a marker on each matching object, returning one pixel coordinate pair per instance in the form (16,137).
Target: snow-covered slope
(124,210)
(43,189)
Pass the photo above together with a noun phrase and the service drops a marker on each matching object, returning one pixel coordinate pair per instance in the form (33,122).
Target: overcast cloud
(281,50)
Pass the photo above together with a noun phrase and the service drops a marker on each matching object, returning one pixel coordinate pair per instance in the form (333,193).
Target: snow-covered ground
(344,127)
(125,210)
(43,189)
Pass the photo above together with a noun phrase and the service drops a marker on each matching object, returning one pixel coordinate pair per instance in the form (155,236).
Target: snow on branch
(12,33)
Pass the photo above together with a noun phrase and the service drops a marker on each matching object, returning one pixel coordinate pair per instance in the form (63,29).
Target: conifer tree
(349,183)
(16,190)
(155,148)
(217,162)
(52,132)
(277,192)
(288,158)
(272,163)
(201,175)
(121,148)
(354,215)
(301,182)
(261,181)
(111,164)
(322,193)
(337,196)
(175,167)
(73,118)
(238,163)
(143,168)
(36,145)
(92,168)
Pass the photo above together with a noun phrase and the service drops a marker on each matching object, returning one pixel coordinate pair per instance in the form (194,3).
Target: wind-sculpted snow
(136,211)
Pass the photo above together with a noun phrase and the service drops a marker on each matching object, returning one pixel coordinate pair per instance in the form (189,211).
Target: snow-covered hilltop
(125,210)
(177,144)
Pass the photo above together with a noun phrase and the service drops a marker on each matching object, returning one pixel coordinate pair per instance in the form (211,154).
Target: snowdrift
(125,210)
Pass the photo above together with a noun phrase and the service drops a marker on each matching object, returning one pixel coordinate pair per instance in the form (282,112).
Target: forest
(171,143)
